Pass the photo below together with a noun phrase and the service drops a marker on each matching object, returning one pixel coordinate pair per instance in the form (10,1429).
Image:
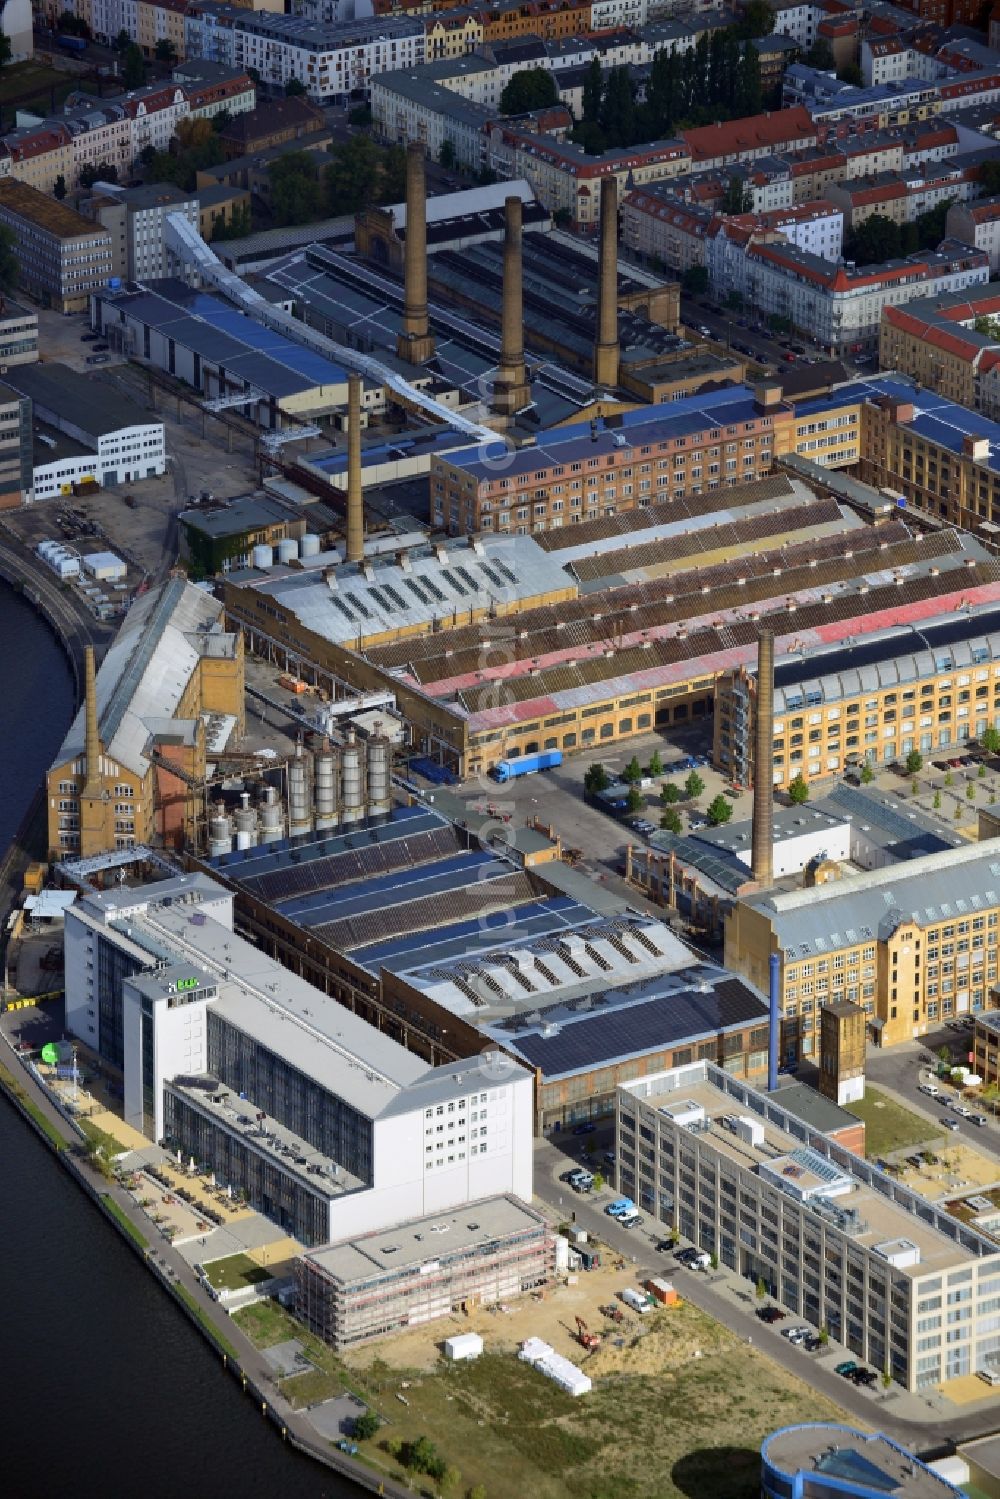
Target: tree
(361,173)
(970,791)
(294,88)
(5,53)
(446,156)
(634,801)
(981,772)
(596,779)
(798,790)
(720,810)
(655,764)
(760,1288)
(867,774)
(632,771)
(59,191)
(366,1425)
(598,1181)
(693,786)
(669,794)
(531,88)
(914,762)
(989,177)
(296,196)
(758,19)
(360,115)
(239,224)
(220,120)
(824,1335)
(852,74)
(930,225)
(820,55)
(478,1491)
(133,67)
(670,821)
(936,803)
(875,240)
(949,779)
(695,280)
(958,811)
(737,197)
(165,51)
(617,117)
(104,171)
(593,92)
(122,41)
(449,1482)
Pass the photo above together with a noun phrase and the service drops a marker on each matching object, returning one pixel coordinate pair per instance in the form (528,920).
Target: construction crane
(587,1339)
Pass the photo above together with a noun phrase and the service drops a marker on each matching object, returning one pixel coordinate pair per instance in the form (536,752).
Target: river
(107,1388)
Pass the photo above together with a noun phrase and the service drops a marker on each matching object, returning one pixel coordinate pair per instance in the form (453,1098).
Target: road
(918,1421)
(902,1069)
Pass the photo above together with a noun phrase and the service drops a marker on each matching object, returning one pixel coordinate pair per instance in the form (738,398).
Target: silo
(263,556)
(220,832)
(309,545)
(326,771)
(272,823)
(352,792)
(299,799)
(288,549)
(246,823)
(379,767)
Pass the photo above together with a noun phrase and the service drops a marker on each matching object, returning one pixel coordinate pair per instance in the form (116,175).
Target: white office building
(893,1277)
(331,1127)
(117,442)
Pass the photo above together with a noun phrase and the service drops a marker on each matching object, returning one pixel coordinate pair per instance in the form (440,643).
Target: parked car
(811,1343)
(951,1124)
(865,1377)
(847,1368)
(795,1334)
(931,1089)
(100,348)
(97,359)
(979,1119)
(962,1111)
(89,338)
(584,1129)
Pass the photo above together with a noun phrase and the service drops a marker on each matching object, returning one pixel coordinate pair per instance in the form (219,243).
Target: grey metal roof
(144,674)
(945,886)
(64,395)
(382,596)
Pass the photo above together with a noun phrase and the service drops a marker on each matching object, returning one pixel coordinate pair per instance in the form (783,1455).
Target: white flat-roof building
(329,1125)
(895,1278)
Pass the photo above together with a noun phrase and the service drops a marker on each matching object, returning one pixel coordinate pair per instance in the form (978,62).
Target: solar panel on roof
(396,598)
(359,603)
(433,588)
(421,592)
(340,604)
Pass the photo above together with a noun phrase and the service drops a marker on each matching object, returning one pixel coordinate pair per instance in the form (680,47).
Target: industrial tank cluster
(287,550)
(339,786)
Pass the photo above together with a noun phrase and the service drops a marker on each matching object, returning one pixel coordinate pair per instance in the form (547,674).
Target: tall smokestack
(511,390)
(606,348)
(355,550)
(92,744)
(415,343)
(762,836)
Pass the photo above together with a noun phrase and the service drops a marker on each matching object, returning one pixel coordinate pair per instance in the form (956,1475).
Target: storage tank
(309,545)
(263,556)
(299,799)
(272,822)
(379,767)
(352,791)
(246,823)
(220,833)
(326,769)
(288,549)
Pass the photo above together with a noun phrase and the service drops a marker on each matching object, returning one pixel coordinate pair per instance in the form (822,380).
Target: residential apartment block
(18,333)
(135,217)
(977,224)
(896,1279)
(935,341)
(62,256)
(839,305)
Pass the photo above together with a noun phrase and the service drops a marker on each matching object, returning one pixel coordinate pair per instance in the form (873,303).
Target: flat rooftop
(239,1116)
(65,395)
(866,1462)
(477,1226)
(47,213)
(879,1219)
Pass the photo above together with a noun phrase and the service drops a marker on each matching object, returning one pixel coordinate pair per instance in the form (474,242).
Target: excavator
(587,1339)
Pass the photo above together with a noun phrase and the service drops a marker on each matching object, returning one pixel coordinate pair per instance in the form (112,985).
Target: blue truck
(75,44)
(526,765)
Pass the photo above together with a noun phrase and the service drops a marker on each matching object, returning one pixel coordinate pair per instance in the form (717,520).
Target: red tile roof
(758,132)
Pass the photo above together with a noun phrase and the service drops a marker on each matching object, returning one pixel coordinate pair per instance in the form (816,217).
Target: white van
(930,1089)
(636,1300)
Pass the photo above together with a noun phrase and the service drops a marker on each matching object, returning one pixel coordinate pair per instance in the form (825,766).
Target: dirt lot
(681,1407)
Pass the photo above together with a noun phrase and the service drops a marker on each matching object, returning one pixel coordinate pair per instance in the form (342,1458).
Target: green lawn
(10,1084)
(202,1316)
(29,84)
(888,1125)
(122,1217)
(235,1273)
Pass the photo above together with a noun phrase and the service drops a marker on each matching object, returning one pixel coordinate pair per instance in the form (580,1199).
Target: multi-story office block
(62,256)
(896,1279)
(913,944)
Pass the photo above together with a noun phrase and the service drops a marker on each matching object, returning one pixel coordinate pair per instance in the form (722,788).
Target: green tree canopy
(798,790)
(758,19)
(737,198)
(296,193)
(635,801)
(990,740)
(670,793)
(632,771)
(133,67)
(820,55)
(695,280)
(914,762)
(596,778)
(875,240)
(655,763)
(720,810)
(852,74)
(670,820)
(446,155)
(531,88)
(693,786)
(294,88)
(361,173)
(165,50)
